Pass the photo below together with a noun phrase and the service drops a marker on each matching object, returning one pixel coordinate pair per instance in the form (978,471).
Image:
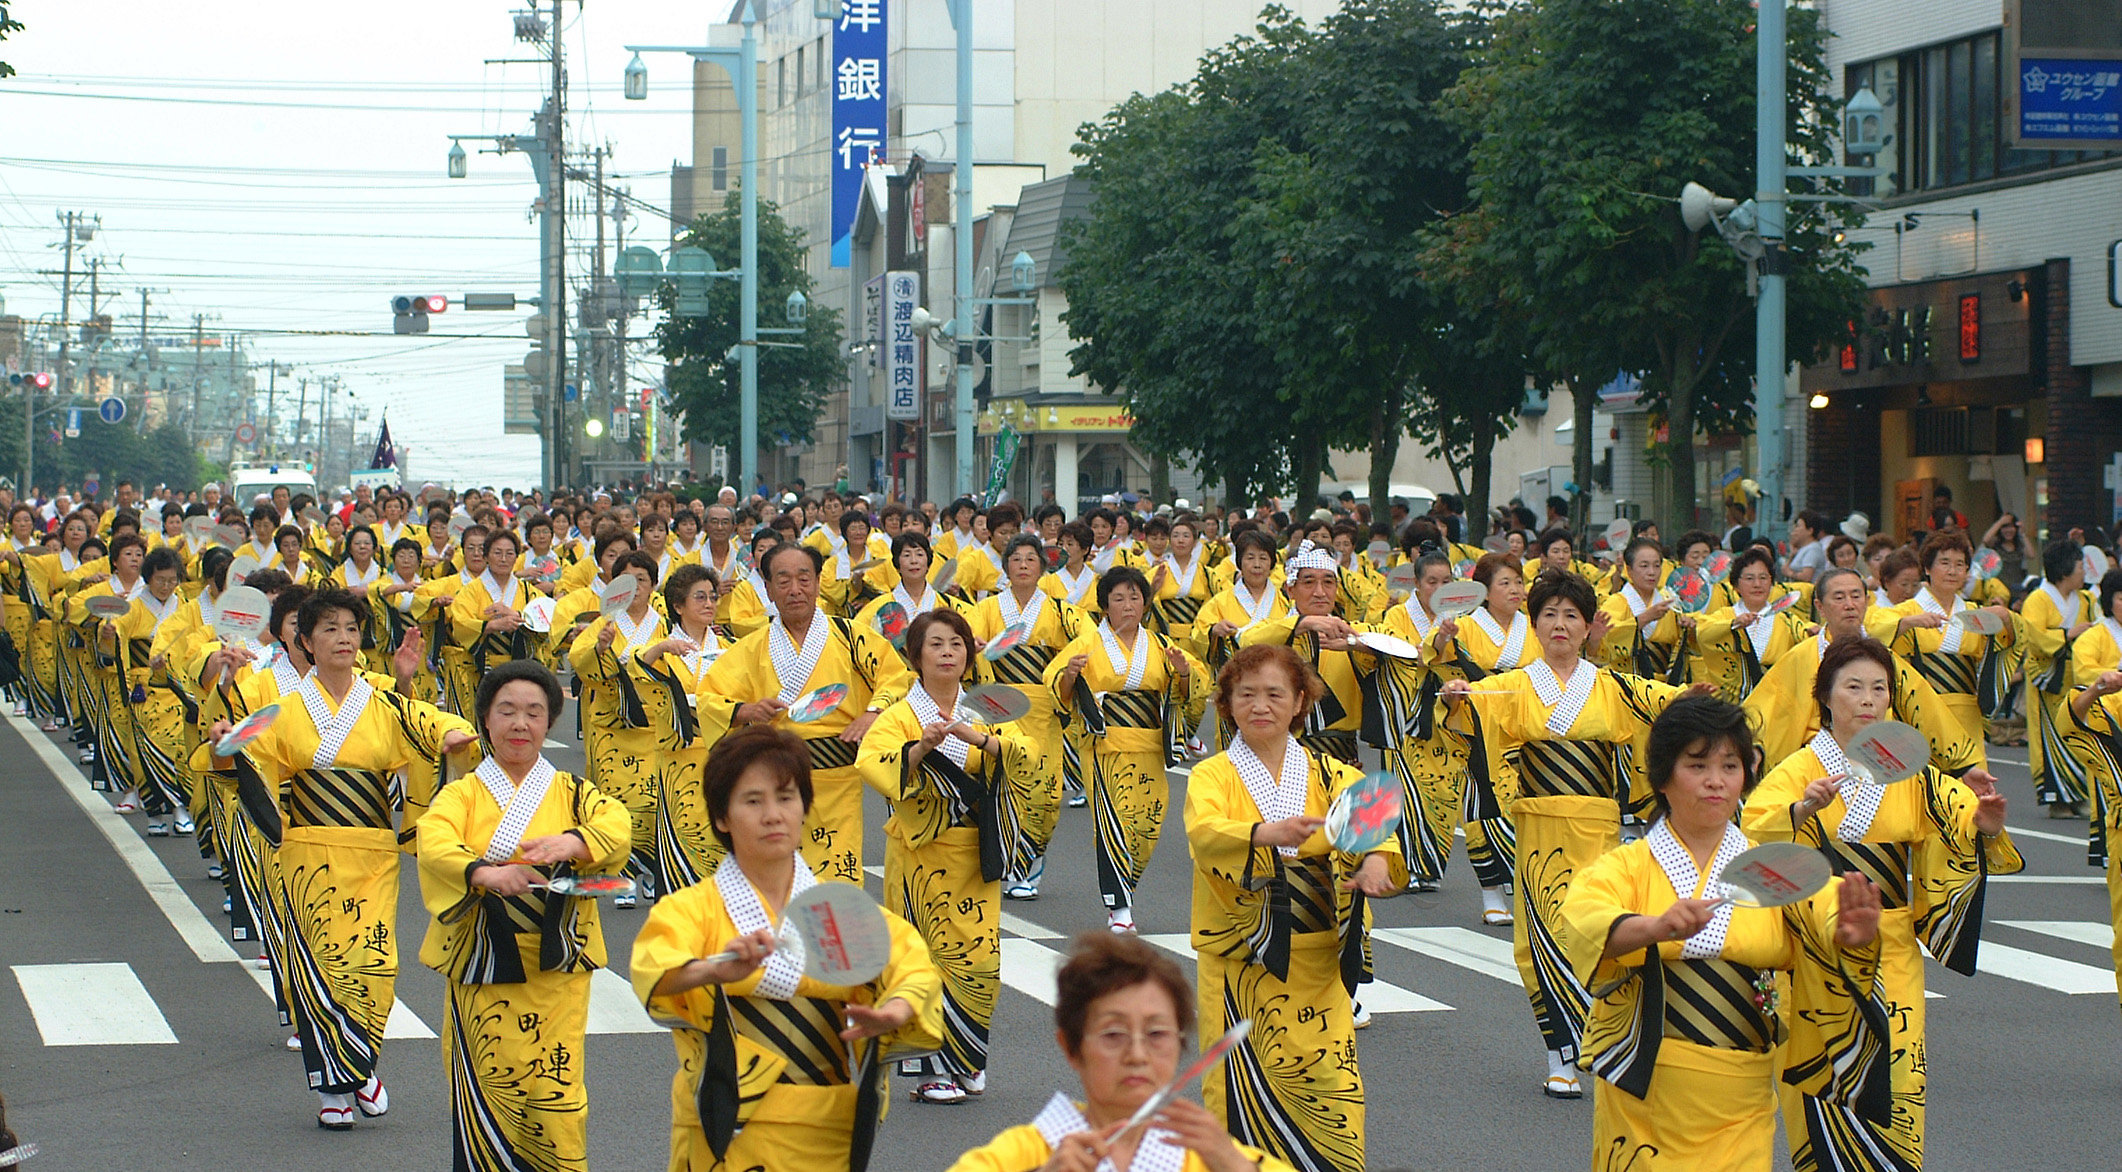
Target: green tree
(1586,117)
(1248,278)
(793,379)
(7,25)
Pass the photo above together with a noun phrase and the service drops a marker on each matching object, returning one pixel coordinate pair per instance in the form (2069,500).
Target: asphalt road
(154,1044)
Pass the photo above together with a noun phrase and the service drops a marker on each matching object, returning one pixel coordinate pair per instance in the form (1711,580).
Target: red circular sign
(245,433)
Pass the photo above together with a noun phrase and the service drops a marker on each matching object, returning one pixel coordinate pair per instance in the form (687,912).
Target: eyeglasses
(1157,1040)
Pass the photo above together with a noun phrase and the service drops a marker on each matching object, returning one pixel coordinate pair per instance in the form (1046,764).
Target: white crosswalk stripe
(612,1008)
(2092,932)
(2033,968)
(1488,955)
(1378,996)
(92,1005)
(1029,968)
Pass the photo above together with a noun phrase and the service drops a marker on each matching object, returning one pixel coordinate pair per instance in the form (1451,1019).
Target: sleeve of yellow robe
(455,831)
(923,811)
(2094,654)
(1024,1149)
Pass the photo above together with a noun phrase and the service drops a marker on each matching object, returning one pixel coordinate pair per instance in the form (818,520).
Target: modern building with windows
(1988,358)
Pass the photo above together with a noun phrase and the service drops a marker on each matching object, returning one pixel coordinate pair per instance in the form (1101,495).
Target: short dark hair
(1080,533)
(1893,564)
(2059,558)
(766,561)
(1548,537)
(1566,586)
(213,567)
(2110,586)
(755,744)
(1691,539)
(610,539)
(911,540)
(1840,654)
(287,601)
(160,560)
(125,541)
(323,602)
(1103,963)
(681,583)
(1252,538)
(519,669)
(1946,541)
(1697,721)
(1006,513)
(1028,541)
(1749,556)
(1121,576)
(1628,552)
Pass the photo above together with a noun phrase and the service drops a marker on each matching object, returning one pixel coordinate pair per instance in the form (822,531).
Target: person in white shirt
(1808,546)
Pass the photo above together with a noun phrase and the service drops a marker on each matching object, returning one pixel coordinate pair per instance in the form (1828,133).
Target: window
(802,74)
(781,82)
(1944,117)
(718,174)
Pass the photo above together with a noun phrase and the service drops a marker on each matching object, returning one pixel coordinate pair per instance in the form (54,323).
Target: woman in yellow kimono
(517,958)
(912,590)
(1278,919)
(2052,618)
(1052,624)
(1495,638)
(398,607)
(1075,583)
(1123,1011)
(32,696)
(45,575)
(1146,693)
(1737,644)
(576,608)
(963,795)
(1432,761)
(1249,598)
(486,619)
(775,1069)
(2094,738)
(155,708)
(618,735)
(1642,631)
(1684,1037)
(1964,668)
(1182,579)
(843,589)
(110,713)
(668,676)
(293,557)
(1570,729)
(1930,843)
(2098,650)
(358,571)
(333,750)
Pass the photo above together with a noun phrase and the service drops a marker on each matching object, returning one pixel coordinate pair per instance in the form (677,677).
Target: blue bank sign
(860,44)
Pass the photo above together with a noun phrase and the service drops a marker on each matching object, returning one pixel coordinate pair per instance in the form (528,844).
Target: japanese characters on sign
(2067,101)
(859,47)
(902,347)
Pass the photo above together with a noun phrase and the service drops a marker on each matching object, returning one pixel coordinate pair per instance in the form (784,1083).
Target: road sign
(2063,70)
(73,422)
(112,410)
(569,392)
(490,301)
(246,433)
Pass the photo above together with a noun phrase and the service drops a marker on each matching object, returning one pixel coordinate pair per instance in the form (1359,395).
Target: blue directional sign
(569,393)
(2065,102)
(112,410)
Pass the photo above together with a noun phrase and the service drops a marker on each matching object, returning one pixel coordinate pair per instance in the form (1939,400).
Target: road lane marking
(1488,955)
(1029,968)
(2046,835)
(198,934)
(2033,968)
(2008,761)
(553,744)
(2091,932)
(92,1005)
(1377,996)
(2065,880)
(1026,929)
(613,1009)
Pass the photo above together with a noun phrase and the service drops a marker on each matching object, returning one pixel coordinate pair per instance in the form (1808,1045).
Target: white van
(248,483)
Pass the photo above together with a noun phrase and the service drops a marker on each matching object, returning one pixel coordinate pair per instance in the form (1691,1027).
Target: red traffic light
(42,380)
(421,303)
(436,303)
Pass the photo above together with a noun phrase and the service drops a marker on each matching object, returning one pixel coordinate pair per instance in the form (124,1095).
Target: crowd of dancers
(1604,725)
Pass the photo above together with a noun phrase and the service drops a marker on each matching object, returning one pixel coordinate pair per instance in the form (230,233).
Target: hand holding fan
(1979,621)
(1886,752)
(18,1154)
(946,575)
(1400,582)
(108,606)
(1366,815)
(1690,590)
(1385,644)
(538,613)
(249,729)
(1781,603)
(1617,531)
(837,932)
(198,529)
(240,615)
(617,594)
(816,703)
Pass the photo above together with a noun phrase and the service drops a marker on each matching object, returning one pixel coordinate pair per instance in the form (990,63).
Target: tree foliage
(1247,279)
(1585,118)
(105,451)
(7,25)
(705,378)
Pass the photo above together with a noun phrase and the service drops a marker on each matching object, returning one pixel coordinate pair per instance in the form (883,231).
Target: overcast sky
(281,167)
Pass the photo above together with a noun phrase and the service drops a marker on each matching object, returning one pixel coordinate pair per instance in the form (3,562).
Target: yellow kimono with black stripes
(1971,682)
(2045,645)
(155,709)
(1727,656)
(1441,788)
(1337,718)
(2096,744)
(876,677)
(1177,610)
(1277,941)
(1024,1149)
(619,739)
(1630,648)
(177,642)
(805,1100)
(1023,667)
(1931,863)
(952,835)
(486,646)
(1686,1048)
(1785,716)
(1572,792)
(518,976)
(1145,731)
(109,710)
(338,872)
(686,728)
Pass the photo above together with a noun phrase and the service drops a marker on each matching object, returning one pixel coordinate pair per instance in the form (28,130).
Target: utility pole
(553,128)
(961,13)
(1770,356)
(191,425)
(302,410)
(266,435)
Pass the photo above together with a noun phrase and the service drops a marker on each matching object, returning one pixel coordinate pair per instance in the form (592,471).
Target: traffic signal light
(409,312)
(40,380)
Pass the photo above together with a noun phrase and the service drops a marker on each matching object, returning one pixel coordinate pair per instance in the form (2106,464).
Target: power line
(253,103)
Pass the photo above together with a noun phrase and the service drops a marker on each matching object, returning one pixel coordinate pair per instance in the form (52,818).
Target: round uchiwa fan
(1717,565)
(892,621)
(1365,815)
(589,886)
(1458,599)
(1986,564)
(1691,590)
(1774,874)
(1887,751)
(1003,643)
(995,703)
(816,703)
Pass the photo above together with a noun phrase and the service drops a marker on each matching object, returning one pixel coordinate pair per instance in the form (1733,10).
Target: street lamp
(1024,273)
(456,160)
(742,63)
(797,308)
